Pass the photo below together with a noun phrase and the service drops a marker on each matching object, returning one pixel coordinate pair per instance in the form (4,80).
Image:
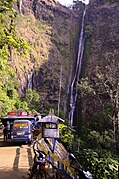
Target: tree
(8,40)
(102,166)
(33,100)
(5,5)
(77,5)
(103,89)
(109,82)
(66,136)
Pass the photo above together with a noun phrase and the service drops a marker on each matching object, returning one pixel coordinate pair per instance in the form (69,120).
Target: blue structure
(50,127)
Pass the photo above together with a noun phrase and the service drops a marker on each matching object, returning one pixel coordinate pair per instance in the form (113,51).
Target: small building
(50,125)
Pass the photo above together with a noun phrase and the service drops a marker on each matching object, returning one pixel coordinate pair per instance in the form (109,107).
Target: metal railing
(61,165)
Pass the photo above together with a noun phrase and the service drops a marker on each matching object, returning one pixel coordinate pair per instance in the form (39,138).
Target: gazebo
(50,125)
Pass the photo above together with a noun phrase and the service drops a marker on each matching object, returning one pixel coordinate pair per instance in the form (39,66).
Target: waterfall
(30,81)
(19,5)
(73,88)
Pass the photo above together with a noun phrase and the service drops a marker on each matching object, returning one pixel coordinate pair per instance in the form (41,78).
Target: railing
(60,164)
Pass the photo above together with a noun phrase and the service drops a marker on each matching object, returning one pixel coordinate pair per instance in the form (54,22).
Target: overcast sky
(65,2)
(68,2)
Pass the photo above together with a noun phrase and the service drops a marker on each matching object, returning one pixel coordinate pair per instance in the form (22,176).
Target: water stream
(30,81)
(73,88)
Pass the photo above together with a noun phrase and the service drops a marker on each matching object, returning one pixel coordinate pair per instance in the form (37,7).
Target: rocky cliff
(51,30)
(101,52)
(103,18)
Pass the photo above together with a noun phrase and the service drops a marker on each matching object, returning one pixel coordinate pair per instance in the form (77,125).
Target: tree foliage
(77,5)
(33,99)
(9,98)
(66,136)
(99,97)
(102,91)
(112,1)
(5,5)
(101,165)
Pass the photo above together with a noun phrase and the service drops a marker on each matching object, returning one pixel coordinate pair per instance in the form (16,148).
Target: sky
(65,2)
(68,2)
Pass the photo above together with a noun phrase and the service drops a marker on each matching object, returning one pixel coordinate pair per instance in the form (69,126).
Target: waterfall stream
(73,88)
(30,81)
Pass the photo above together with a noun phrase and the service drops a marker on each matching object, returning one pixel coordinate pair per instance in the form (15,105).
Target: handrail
(54,156)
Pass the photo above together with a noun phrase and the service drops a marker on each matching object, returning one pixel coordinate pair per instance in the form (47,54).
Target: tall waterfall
(73,88)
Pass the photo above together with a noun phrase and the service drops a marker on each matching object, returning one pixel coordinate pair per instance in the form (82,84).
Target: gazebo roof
(51,118)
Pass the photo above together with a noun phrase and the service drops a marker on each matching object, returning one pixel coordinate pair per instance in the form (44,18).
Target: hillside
(97,111)
(103,19)
(38,55)
(101,50)
(52,31)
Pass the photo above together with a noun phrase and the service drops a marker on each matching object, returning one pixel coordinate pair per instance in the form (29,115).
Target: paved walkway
(15,160)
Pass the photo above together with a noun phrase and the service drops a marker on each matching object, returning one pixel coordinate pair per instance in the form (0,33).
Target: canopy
(51,118)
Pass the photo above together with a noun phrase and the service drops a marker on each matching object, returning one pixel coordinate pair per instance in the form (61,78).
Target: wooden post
(60,85)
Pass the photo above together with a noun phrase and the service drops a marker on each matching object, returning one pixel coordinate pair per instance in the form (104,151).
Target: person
(5,132)
(37,133)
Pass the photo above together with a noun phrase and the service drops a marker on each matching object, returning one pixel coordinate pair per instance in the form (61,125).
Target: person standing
(5,132)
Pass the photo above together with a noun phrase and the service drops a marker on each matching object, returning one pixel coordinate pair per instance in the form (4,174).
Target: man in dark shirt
(5,132)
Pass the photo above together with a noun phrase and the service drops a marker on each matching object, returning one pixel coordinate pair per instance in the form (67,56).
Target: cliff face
(51,31)
(104,19)
(102,44)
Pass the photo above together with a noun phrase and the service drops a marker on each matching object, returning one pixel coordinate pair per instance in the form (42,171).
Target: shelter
(50,125)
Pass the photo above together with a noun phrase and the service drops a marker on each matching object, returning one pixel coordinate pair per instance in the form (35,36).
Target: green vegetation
(99,96)
(112,1)
(100,165)
(78,5)
(33,100)
(96,143)
(9,97)
(88,31)
(66,136)
(5,5)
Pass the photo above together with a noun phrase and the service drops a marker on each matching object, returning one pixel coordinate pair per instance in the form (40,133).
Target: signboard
(20,125)
(12,113)
(50,130)
(18,113)
(50,133)
(23,113)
